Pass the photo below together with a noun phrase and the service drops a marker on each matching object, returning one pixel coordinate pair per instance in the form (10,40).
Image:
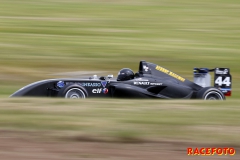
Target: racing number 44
(220,81)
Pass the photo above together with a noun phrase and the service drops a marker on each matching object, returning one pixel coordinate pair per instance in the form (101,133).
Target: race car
(151,81)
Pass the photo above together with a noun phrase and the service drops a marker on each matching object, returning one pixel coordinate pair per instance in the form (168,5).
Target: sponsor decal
(104,83)
(60,84)
(226,91)
(174,75)
(210,151)
(156,84)
(67,83)
(105,90)
(90,84)
(141,79)
(218,71)
(145,68)
(98,90)
(141,83)
(85,84)
(147,83)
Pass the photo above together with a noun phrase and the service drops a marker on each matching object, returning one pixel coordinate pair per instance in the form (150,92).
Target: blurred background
(42,39)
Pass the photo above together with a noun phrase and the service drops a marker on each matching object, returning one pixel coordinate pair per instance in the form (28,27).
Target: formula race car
(151,81)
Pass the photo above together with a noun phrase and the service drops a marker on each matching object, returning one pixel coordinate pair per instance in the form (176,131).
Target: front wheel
(72,92)
(210,93)
(75,93)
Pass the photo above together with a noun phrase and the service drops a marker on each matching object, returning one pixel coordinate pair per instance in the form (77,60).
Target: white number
(220,81)
(227,81)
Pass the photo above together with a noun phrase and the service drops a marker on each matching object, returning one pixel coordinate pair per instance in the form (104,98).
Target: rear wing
(222,78)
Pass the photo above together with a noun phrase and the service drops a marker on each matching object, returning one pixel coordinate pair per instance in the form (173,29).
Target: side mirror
(110,76)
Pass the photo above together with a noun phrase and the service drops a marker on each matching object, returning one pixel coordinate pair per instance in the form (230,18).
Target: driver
(125,74)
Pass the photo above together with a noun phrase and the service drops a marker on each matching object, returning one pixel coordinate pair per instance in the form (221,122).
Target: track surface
(27,146)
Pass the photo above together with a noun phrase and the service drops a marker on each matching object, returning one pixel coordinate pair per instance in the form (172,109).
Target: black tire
(73,91)
(210,93)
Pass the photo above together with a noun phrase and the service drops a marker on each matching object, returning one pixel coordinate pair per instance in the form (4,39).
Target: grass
(123,120)
(40,38)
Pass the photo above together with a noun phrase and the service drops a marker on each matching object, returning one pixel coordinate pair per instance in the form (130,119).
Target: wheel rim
(75,93)
(213,95)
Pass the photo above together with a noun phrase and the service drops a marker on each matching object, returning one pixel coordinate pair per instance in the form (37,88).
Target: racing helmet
(125,74)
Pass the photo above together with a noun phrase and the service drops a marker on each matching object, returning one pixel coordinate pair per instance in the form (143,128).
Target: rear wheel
(210,93)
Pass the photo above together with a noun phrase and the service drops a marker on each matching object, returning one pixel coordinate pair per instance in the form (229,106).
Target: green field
(40,38)
(123,120)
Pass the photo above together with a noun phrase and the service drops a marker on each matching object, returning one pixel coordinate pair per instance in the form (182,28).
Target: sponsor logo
(225,90)
(174,75)
(104,83)
(90,84)
(156,84)
(147,83)
(67,83)
(105,90)
(225,71)
(98,90)
(210,151)
(145,68)
(60,84)
(140,79)
(141,83)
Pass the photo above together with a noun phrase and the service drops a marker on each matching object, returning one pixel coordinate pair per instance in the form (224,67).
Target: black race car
(151,81)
